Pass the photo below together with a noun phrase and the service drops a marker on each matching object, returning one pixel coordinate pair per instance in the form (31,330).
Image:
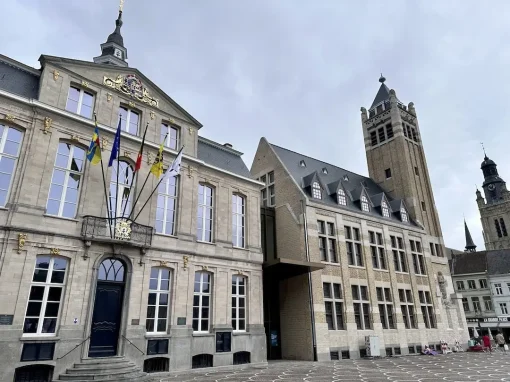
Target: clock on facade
(117,53)
(491,187)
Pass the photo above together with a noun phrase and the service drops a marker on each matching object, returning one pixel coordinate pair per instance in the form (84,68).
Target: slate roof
(353,183)
(498,261)
(468,262)
(18,78)
(217,155)
(383,94)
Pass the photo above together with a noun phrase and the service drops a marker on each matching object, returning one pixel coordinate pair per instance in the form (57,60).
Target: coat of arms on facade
(123,229)
(131,86)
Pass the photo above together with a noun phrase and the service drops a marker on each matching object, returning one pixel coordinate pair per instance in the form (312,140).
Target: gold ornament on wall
(21,241)
(9,117)
(109,97)
(240,272)
(127,154)
(152,114)
(104,143)
(163,263)
(190,130)
(131,104)
(56,73)
(131,86)
(190,171)
(185,260)
(47,125)
(150,158)
(84,83)
(74,137)
(204,267)
(55,251)
(172,120)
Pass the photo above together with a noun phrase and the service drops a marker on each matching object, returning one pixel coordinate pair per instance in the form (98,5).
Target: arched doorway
(106,319)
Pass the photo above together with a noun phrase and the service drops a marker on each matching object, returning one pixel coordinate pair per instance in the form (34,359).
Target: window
(316,190)
(399,256)
(407,307)
(498,229)
(334,356)
(268,196)
(361,307)
(201,302)
(385,308)
(302,163)
(476,304)
(471,284)
(403,215)
(205,213)
(167,206)
(487,302)
(373,138)
(465,304)
(432,250)
(416,171)
(157,305)
(364,203)
(418,258)
(129,120)
(387,172)
(460,285)
(503,227)
(382,136)
(423,206)
(170,136)
(499,289)
(38,351)
(239,303)
(389,131)
(342,200)
(439,250)
(404,128)
(120,198)
(385,209)
(377,250)
(408,132)
(80,102)
(427,309)
(334,304)
(156,364)
(10,142)
(201,360)
(353,244)
(345,178)
(503,308)
(238,220)
(241,357)
(159,346)
(508,285)
(327,242)
(65,182)
(45,296)
(325,170)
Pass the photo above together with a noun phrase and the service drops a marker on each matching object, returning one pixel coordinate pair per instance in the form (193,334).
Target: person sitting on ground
(429,351)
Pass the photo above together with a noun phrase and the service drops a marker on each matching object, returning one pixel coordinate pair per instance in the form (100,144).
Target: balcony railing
(120,229)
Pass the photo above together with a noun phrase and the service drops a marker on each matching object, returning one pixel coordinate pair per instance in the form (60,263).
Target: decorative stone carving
(85,84)
(9,117)
(190,171)
(163,263)
(441,280)
(204,267)
(131,104)
(104,143)
(127,154)
(109,97)
(47,125)
(152,114)
(21,241)
(190,130)
(185,260)
(56,73)
(131,86)
(55,251)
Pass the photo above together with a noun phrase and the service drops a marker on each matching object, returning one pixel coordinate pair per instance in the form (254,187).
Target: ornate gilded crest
(131,86)
(123,229)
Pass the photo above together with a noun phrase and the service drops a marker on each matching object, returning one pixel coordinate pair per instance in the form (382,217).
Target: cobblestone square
(460,367)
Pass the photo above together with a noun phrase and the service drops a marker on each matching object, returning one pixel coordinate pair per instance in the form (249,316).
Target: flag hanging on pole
(94,152)
(175,168)
(138,163)
(157,166)
(115,146)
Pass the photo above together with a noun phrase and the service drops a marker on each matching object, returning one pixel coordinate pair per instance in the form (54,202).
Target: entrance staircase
(118,369)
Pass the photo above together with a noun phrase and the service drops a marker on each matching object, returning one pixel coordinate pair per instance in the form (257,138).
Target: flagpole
(104,186)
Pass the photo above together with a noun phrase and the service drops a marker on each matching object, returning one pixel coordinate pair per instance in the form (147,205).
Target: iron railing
(120,229)
(137,348)
(73,349)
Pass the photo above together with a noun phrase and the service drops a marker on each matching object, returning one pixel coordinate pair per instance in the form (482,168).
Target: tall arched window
(364,203)
(403,215)
(316,190)
(238,220)
(167,206)
(159,301)
(10,143)
(111,270)
(205,213)
(121,197)
(385,209)
(498,229)
(503,227)
(342,200)
(66,181)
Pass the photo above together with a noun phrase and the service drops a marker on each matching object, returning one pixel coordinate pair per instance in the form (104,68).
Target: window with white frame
(45,296)
(120,198)
(334,306)
(361,307)
(476,304)
(327,241)
(353,244)
(503,308)
(407,308)
(460,285)
(385,307)
(10,143)
(364,203)
(399,255)
(167,206)
(170,136)
(487,302)
(66,181)
(499,289)
(403,215)
(427,309)
(418,258)
(129,120)
(471,284)
(342,199)
(80,102)
(238,220)
(205,213)
(267,192)
(201,302)
(316,190)
(239,303)
(385,209)
(377,250)
(159,301)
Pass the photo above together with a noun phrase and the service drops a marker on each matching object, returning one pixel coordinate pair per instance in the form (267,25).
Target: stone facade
(28,231)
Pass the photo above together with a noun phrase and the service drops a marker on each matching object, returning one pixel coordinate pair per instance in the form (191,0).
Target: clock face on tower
(117,53)
(491,187)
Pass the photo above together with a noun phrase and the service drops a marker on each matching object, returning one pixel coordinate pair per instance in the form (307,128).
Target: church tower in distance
(395,156)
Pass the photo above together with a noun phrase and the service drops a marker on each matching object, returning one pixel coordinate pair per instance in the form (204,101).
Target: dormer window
(364,203)
(342,200)
(316,190)
(80,102)
(345,178)
(302,163)
(385,209)
(403,215)
(325,171)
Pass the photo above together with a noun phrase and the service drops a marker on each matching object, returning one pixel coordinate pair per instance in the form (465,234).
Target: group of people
(476,344)
(499,339)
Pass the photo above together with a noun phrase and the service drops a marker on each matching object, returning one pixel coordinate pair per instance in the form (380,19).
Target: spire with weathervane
(470,245)
(113,51)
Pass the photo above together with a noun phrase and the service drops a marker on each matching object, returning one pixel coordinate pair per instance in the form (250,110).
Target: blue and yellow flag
(94,151)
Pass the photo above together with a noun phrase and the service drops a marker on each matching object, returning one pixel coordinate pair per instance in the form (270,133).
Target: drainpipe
(310,294)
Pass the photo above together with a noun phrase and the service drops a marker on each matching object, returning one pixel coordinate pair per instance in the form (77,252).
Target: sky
(297,72)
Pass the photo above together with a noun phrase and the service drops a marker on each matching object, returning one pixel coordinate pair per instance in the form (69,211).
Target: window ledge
(206,242)
(240,333)
(165,235)
(402,273)
(381,270)
(39,338)
(241,248)
(332,263)
(203,334)
(61,218)
(155,336)
(356,266)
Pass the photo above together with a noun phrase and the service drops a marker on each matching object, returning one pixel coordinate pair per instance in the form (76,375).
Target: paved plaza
(461,367)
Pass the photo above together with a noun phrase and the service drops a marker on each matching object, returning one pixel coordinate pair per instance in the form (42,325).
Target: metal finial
(121,5)
(382,79)
(483,148)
